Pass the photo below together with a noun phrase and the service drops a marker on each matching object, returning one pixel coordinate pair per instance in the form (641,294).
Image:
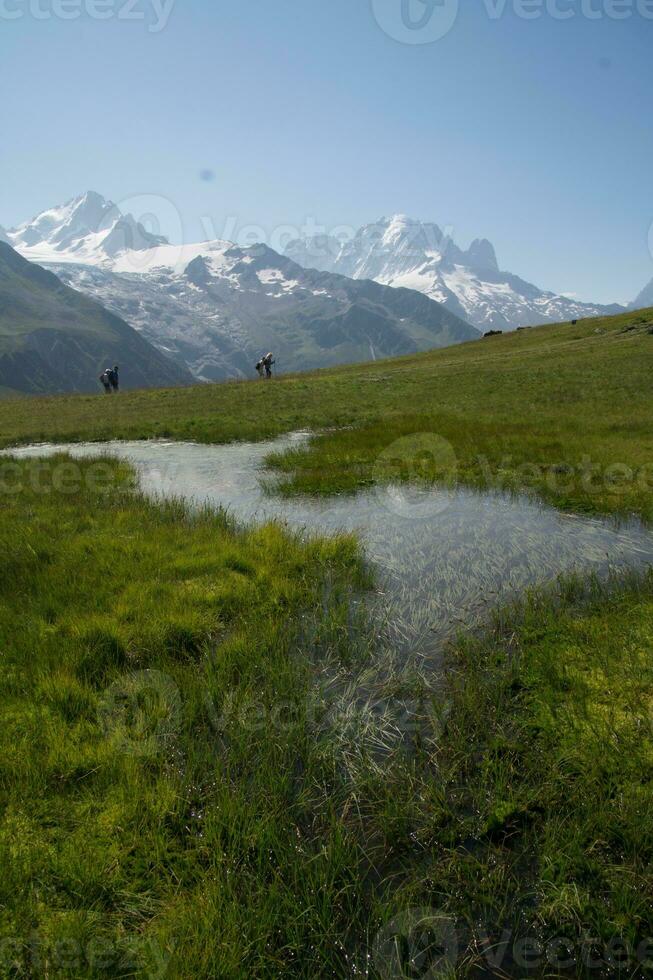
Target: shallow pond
(444,559)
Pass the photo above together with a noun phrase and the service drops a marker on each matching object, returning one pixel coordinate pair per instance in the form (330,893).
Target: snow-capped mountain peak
(400,251)
(396,229)
(481,255)
(86,229)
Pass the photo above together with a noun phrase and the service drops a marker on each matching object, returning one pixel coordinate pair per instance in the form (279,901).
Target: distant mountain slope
(216,307)
(399,251)
(53,339)
(645,298)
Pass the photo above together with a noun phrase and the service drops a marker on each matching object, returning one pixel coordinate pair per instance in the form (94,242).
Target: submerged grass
(181,798)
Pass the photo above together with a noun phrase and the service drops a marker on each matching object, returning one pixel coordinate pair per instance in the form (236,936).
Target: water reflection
(443,558)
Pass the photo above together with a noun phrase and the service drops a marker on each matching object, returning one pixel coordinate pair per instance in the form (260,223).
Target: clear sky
(533,131)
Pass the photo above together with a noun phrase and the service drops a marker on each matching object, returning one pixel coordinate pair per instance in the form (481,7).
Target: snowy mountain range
(400,251)
(215,307)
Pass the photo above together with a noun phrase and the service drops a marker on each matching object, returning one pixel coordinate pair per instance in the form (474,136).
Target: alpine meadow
(326,490)
(179,794)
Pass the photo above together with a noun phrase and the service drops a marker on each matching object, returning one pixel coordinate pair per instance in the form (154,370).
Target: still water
(443,558)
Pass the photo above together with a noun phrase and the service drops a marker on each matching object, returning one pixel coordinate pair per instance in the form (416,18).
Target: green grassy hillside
(54,339)
(563,409)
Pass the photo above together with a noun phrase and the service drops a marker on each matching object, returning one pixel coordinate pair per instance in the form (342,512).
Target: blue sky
(535,133)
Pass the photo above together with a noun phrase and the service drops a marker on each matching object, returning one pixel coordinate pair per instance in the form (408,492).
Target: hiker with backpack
(268,361)
(109,380)
(105,380)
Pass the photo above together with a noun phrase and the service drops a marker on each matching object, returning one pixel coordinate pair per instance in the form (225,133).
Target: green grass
(179,797)
(178,800)
(151,799)
(549,758)
(559,409)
